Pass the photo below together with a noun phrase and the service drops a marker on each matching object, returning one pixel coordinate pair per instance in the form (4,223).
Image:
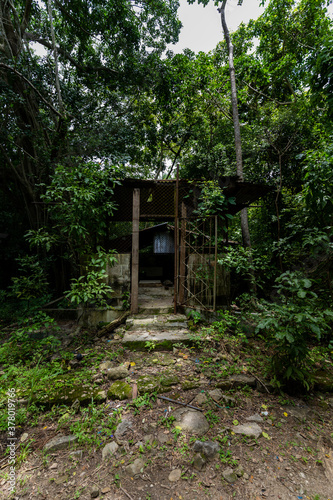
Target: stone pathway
(155,322)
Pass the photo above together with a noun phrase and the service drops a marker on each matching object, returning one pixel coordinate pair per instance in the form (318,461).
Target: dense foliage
(90,95)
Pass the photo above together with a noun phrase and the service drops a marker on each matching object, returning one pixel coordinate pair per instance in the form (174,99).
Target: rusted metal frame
(182,255)
(215,267)
(135,252)
(176,236)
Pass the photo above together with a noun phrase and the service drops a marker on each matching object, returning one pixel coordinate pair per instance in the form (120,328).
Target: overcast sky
(202,25)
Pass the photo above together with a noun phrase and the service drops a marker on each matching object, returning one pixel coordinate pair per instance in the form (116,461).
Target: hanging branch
(55,55)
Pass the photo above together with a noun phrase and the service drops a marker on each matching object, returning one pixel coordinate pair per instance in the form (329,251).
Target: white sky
(202,28)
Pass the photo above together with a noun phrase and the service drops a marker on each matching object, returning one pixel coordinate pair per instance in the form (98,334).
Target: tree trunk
(238,142)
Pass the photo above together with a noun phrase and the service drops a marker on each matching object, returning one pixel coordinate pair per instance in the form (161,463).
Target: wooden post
(135,252)
(215,268)
(175,285)
(182,256)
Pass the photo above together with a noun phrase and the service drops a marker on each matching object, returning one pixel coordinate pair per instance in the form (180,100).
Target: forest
(92,94)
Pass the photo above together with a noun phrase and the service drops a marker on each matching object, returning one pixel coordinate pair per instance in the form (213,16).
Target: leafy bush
(292,324)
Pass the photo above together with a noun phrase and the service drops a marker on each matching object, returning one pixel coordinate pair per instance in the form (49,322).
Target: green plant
(90,289)
(150,345)
(291,325)
(126,300)
(31,282)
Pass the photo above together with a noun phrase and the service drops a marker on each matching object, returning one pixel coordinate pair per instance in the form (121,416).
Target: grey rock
(106,365)
(200,399)
(191,420)
(60,443)
(229,475)
(148,439)
(251,430)
(122,429)
(239,471)
(76,455)
(94,493)
(216,394)
(302,414)
(109,450)
(198,461)
(255,418)
(175,475)
(163,438)
(117,373)
(207,448)
(136,467)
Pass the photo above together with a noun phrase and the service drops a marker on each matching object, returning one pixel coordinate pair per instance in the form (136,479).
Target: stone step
(150,283)
(157,322)
(155,309)
(140,339)
(155,292)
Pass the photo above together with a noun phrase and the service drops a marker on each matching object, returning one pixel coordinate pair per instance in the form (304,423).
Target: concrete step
(139,340)
(155,292)
(157,322)
(150,283)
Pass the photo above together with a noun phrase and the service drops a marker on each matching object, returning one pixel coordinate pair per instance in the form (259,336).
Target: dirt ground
(292,459)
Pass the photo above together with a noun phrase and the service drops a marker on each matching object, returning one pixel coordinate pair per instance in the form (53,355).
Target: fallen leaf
(132,363)
(266,436)
(285,414)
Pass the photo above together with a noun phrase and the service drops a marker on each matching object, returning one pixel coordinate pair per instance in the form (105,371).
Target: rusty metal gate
(196,262)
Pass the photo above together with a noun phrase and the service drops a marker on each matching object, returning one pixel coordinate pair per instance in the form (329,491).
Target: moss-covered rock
(187,385)
(168,380)
(66,389)
(148,384)
(120,390)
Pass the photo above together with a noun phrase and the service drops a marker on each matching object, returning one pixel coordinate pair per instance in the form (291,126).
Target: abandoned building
(178,253)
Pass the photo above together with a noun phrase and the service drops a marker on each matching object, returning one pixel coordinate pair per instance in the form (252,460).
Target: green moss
(148,384)
(187,385)
(168,380)
(120,390)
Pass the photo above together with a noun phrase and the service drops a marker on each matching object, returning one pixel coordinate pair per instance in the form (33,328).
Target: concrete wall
(119,276)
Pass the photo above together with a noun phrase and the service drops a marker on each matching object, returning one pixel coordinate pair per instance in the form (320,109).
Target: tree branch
(34,38)
(5,66)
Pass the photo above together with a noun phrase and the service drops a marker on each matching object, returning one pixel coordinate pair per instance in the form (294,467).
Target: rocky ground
(225,435)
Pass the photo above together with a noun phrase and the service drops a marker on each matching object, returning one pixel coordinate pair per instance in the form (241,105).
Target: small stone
(191,421)
(251,430)
(24,437)
(239,471)
(54,466)
(122,429)
(105,490)
(109,450)
(136,467)
(105,366)
(94,493)
(207,448)
(162,438)
(200,399)
(255,418)
(76,455)
(198,461)
(216,394)
(59,443)
(117,373)
(229,475)
(246,476)
(175,475)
